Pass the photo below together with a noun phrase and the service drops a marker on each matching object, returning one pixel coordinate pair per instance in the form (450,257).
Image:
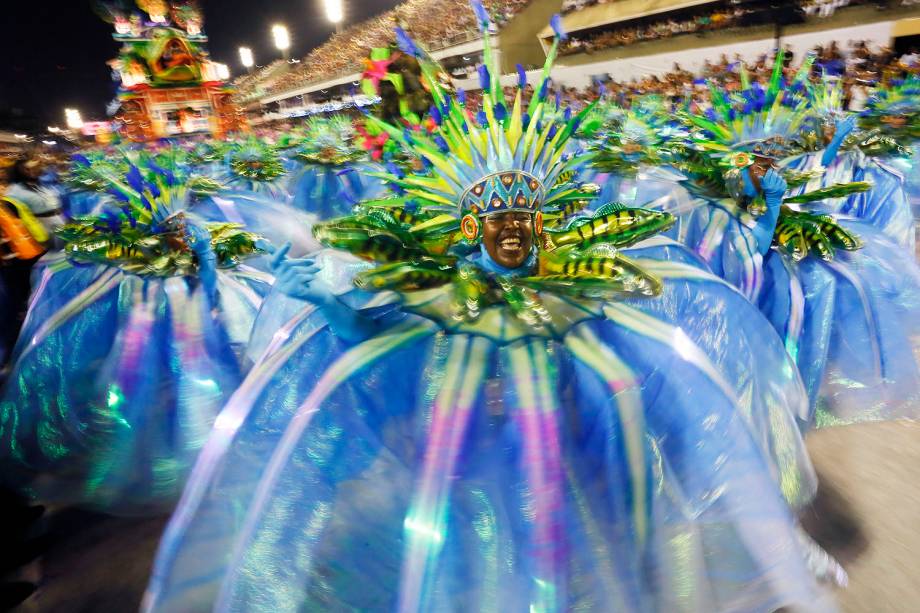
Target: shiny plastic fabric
(638,464)
(910,168)
(79,203)
(886,205)
(652,187)
(852,324)
(273,219)
(328,191)
(116,381)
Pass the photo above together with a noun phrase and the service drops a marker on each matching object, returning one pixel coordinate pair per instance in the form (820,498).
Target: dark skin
(758,169)
(829,131)
(508,237)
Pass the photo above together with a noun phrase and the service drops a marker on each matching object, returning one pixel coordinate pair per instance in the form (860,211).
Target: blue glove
(843,128)
(297,278)
(774,187)
(199,241)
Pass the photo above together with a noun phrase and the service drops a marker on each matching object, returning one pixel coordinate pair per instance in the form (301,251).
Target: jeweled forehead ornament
(514,190)
(499,192)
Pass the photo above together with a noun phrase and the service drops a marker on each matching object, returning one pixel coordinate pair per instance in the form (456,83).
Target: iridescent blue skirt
(637,463)
(852,324)
(274,219)
(328,191)
(116,381)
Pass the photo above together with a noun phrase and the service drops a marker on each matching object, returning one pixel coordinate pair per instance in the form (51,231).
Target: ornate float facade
(169,86)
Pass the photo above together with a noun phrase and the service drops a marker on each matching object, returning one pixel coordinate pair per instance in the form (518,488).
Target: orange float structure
(169,85)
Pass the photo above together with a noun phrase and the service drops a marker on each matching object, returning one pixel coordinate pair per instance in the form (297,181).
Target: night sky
(53,54)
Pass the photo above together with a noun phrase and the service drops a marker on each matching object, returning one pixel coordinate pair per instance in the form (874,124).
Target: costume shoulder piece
(506,158)
(254,160)
(894,109)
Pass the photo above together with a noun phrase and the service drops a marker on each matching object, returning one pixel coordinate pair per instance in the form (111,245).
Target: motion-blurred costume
(836,152)
(513,409)
(129,349)
(328,168)
(843,295)
(894,111)
(253,191)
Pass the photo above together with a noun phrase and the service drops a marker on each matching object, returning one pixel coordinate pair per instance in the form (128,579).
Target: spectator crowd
(622,35)
(345,52)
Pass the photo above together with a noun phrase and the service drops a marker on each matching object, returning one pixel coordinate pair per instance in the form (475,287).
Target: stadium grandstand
(619,39)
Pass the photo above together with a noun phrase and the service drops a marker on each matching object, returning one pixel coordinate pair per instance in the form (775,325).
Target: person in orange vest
(44,201)
(23,240)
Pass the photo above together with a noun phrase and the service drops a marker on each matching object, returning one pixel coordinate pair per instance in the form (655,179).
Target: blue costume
(253,192)
(132,343)
(564,427)
(841,158)
(328,169)
(844,297)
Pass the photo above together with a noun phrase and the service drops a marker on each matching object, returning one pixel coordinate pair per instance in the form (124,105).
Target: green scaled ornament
(505,158)
(328,141)
(800,234)
(144,229)
(255,160)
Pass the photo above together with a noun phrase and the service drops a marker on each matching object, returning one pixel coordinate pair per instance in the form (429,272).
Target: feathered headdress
(144,228)
(895,109)
(757,121)
(328,140)
(505,157)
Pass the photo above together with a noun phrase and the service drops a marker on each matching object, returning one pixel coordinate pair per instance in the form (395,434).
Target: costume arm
(774,187)
(200,243)
(297,278)
(843,129)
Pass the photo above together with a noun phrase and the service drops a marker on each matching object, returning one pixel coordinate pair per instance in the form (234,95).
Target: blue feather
(484,78)
(481,14)
(394,170)
(555,22)
(134,178)
(118,194)
(405,43)
(522,76)
(154,190)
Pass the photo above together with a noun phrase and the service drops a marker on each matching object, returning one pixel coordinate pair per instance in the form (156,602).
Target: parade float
(169,86)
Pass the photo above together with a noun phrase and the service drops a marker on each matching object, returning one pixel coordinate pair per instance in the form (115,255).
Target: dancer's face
(758,169)
(508,237)
(829,130)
